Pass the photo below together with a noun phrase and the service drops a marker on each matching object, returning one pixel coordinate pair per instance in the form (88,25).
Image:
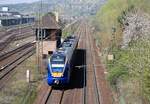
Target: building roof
(47,22)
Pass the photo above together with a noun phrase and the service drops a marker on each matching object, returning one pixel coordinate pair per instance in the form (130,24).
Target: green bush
(118,68)
(112,15)
(128,63)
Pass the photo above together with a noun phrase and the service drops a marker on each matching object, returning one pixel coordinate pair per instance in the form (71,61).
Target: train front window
(57,63)
(57,59)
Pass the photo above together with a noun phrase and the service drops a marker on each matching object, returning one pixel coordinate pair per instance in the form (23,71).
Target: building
(9,18)
(49,33)
(6,13)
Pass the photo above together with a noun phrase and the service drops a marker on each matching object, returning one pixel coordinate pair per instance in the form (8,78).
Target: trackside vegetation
(129,72)
(112,14)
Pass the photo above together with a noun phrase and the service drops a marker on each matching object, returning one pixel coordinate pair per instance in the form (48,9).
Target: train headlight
(56,82)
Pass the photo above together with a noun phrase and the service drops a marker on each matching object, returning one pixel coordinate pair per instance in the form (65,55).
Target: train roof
(66,46)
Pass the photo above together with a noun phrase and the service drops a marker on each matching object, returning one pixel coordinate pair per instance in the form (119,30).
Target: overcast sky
(16,1)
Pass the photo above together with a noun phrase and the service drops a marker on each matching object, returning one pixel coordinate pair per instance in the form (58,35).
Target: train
(60,64)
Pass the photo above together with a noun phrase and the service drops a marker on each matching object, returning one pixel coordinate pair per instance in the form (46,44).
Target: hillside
(108,17)
(123,30)
(68,7)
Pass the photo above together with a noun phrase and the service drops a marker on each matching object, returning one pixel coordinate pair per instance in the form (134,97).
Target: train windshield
(57,63)
(57,59)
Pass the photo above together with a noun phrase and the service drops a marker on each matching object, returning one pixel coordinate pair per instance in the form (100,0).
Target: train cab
(57,69)
(61,62)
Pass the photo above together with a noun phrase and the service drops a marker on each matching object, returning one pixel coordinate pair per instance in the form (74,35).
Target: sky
(16,1)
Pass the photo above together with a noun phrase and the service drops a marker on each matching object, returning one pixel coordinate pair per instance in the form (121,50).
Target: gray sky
(16,1)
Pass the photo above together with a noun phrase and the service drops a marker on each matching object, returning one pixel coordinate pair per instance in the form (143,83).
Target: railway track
(92,73)
(53,94)
(4,55)
(88,84)
(84,94)
(88,92)
(105,94)
(10,31)
(10,35)
(49,95)
(12,59)
(75,91)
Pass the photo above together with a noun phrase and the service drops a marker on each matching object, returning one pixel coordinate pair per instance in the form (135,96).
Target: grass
(130,68)
(30,92)
(16,90)
(131,65)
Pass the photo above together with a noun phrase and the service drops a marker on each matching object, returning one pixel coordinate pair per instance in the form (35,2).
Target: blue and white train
(61,62)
